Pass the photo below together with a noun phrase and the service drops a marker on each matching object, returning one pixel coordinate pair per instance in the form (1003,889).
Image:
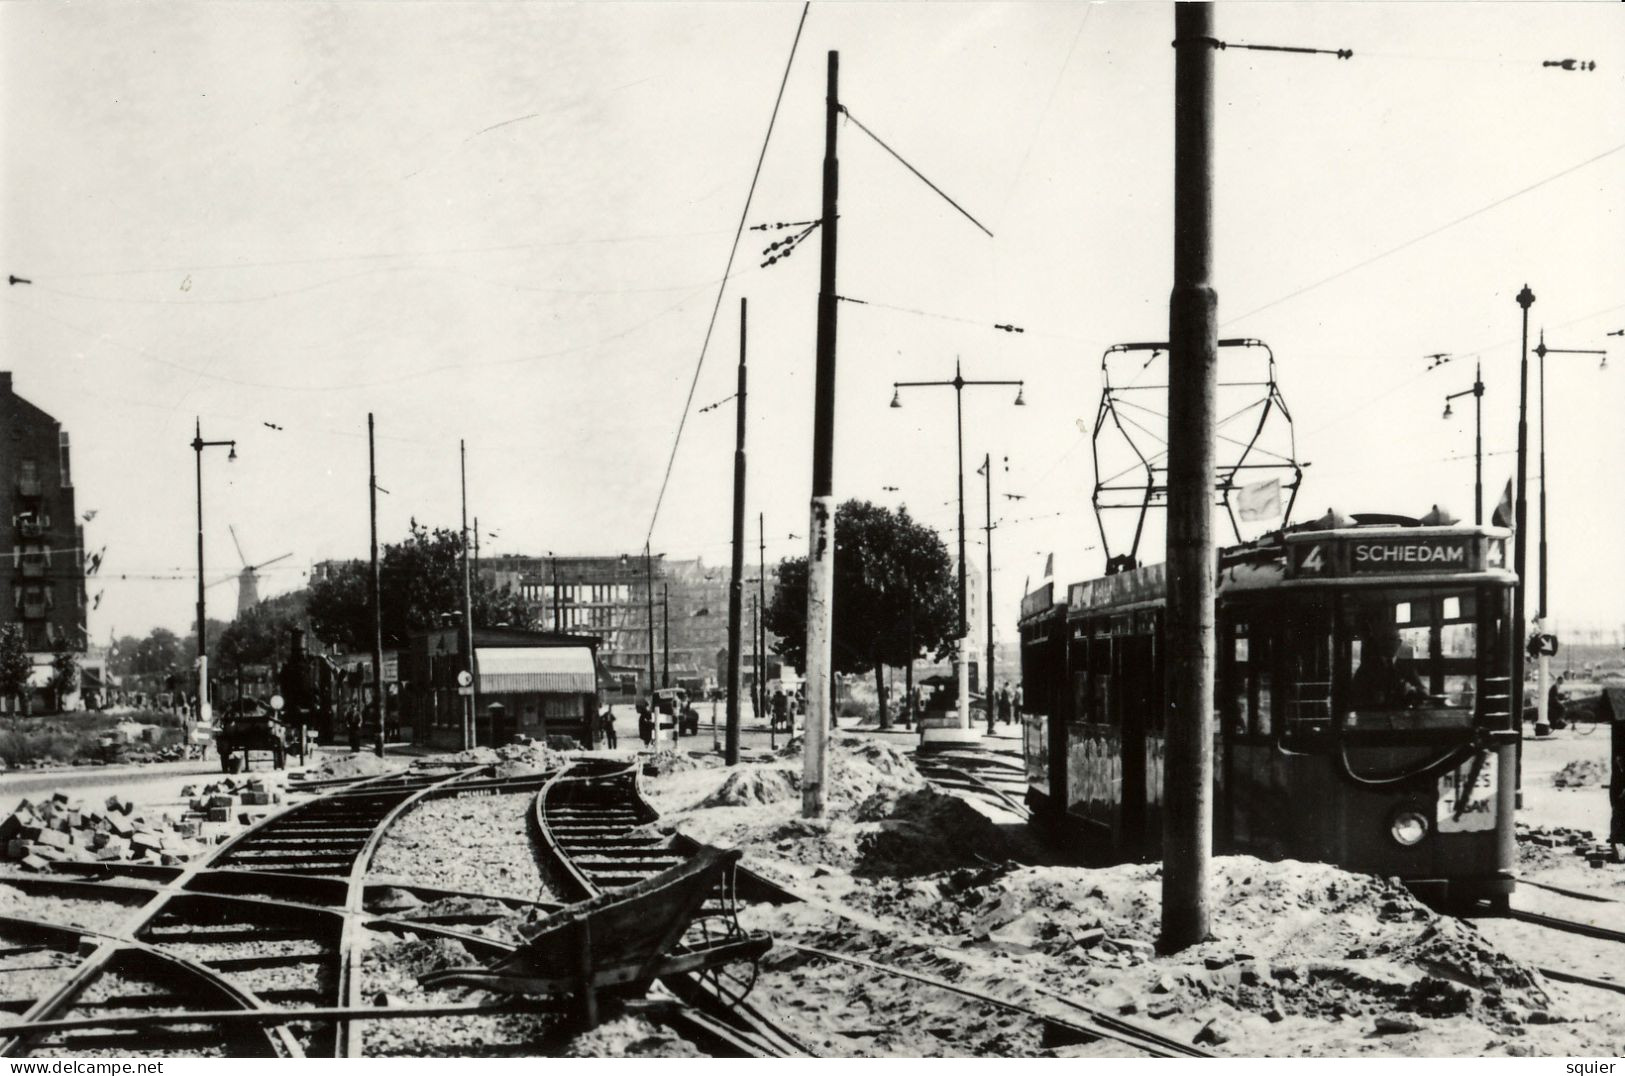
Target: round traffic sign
(465,678)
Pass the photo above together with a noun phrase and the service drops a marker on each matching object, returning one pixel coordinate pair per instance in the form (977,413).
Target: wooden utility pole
(730,750)
(821,524)
(471,711)
(665,635)
(1187,839)
(376,592)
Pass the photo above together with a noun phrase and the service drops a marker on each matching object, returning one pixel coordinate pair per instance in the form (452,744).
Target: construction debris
(58,829)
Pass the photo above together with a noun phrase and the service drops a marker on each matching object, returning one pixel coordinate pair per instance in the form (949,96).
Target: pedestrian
(781,710)
(1015,704)
(1004,703)
(352,724)
(608,724)
(1554,707)
(646,723)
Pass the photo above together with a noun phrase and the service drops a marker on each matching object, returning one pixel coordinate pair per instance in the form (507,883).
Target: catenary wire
(727,271)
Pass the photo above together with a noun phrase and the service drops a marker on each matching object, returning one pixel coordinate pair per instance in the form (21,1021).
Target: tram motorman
(1382,682)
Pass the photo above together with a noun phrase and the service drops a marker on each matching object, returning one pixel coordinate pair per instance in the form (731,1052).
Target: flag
(1261,500)
(1049,566)
(1502,516)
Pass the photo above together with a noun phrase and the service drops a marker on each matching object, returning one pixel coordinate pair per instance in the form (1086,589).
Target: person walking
(607,722)
(781,710)
(646,723)
(1004,703)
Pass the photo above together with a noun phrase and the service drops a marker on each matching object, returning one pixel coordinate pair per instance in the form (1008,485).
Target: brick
(145,841)
(17,848)
(222,801)
(219,814)
(52,838)
(13,824)
(35,864)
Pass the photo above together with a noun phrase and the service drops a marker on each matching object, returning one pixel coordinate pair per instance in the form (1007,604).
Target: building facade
(43,585)
(619,598)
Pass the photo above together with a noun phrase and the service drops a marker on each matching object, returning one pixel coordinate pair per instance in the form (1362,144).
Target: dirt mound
(519,759)
(420,956)
(666,763)
(356,764)
(474,756)
(755,786)
(630,1036)
(1582,773)
(859,767)
(926,832)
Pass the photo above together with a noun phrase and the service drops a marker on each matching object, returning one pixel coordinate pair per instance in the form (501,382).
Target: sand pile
(755,786)
(1582,773)
(924,832)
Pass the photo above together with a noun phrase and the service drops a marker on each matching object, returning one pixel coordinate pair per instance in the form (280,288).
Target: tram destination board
(1386,555)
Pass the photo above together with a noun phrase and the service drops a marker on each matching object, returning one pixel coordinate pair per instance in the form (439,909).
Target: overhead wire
(917,173)
(733,250)
(1430,233)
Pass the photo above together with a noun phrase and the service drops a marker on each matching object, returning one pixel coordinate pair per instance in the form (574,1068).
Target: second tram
(1363,713)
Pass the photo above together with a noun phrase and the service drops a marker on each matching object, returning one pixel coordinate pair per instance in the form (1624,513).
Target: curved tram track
(268,927)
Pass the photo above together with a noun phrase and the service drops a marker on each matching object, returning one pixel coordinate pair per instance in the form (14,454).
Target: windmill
(248,590)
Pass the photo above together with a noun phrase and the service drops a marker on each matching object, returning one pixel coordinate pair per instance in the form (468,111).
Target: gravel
(482,844)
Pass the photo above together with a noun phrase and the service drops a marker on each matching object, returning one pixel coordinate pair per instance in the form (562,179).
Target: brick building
(43,585)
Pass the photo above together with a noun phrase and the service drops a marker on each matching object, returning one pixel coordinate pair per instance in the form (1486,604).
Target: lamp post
(205,712)
(1477,392)
(1543,725)
(958,384)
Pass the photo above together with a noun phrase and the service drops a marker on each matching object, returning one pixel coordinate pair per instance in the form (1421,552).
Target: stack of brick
(61,829)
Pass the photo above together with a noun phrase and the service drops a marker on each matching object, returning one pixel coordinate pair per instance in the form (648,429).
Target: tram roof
(1307,558)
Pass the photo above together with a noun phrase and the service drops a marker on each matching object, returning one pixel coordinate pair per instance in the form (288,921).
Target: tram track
(1003,785)
(272,919)
(598,829)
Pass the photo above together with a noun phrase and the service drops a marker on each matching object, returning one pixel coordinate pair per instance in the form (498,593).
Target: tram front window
(1409,659)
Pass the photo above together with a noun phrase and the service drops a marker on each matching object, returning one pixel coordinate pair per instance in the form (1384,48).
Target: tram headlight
(1408,828)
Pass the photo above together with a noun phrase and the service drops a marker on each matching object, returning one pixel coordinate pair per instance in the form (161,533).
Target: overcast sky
(508,223)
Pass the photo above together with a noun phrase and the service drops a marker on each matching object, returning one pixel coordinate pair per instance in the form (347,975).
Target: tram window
(1304,661)
(1408,668)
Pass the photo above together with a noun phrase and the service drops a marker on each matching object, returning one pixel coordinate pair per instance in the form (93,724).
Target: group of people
(1005,706)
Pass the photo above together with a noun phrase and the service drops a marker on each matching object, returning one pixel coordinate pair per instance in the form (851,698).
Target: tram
(1363,713)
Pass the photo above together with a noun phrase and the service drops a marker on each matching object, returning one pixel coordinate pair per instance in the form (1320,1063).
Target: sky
(508,223)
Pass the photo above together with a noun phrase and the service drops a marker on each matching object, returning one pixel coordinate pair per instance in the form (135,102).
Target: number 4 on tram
(1363,713)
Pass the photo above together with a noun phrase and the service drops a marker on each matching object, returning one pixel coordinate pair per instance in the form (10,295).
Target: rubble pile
(1582,773)
(1560,839)
(61,829)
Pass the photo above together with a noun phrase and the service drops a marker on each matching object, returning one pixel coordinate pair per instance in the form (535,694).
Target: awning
(535,668)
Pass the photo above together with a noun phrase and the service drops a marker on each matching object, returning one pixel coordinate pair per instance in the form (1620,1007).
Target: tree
(889,571)
(259,634)
(420,579)
(64,672)
(15,666)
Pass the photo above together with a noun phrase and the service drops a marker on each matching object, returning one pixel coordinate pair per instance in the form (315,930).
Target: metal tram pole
(735,580)
(205,711)
(987,531)
(759,624)
(1477,392)
(649,603)
(958,385)
(1543,725)
(821,509)
(375,590)
(665,635)
(1193,356)
(471,712)
(1520,523)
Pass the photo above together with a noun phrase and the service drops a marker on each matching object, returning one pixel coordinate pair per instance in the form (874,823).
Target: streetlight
(958,384)
(205,712)
(1477,392)
(1542,718)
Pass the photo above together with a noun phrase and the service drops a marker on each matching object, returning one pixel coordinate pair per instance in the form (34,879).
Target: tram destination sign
(1385,555)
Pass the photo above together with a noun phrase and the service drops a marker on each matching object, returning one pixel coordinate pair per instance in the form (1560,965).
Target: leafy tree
(159,652)
(419,579)
(260,633)
(15,667)
(889,570)
(64,671)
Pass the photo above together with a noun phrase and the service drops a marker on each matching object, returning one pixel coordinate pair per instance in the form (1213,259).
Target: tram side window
(1248,707)
(1304,661)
